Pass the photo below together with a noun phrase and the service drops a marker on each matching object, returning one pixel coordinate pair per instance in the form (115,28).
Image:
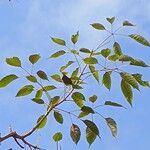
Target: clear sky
(26,27)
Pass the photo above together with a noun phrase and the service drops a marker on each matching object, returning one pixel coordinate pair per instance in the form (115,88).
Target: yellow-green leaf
(112,125)
(56,77)
(93,98)
(137,62)
(130,79)
(78,98)
(107,80)
(34,58)
(110,20)
(85,50)
(90,136)
(110,103)
(127,23)
(26,90)
(7,80)
(38,100)
(42,75)
(87,109)
(117,48)
(90,60)
(105,52)
(98,26)
(75,37)
(57,137)
(140,39)
(58,117)
(58,41)
(92,126)
(94,72)
(41,122)
(13,61)
(58,54)
(127,91)
(31,78)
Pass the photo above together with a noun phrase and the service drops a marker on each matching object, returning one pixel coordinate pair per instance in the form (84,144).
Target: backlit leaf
(129,79)
(13,61)
(107,80)
(112,125)
(58,41)
(105,52)
(26,90)
(117,48)
(85,50)
(41,122)
(58,117)
(75,133)
(98,26)
(93,98)
(7,80)
(58,54)
(57,137)
(127,91)
(127,23)
(78,98)
(110,103)
(90,136)
(34,58)
(42,75)
(31,78)
(92,126)
(94,72)
(66,66)
(90,60)
(140,39)
(75,37)
(56,77)
(110,20)
(137,62)
(38,101)
(87,109)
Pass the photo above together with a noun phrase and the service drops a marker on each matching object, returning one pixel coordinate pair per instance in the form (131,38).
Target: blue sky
(26,27)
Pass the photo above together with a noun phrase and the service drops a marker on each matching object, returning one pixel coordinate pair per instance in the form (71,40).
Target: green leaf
(26,90)
(13,61)
(75,73)
(107,80)
(74,51)
(140,39)
(130,79)
(58,117)
(105,52)
(92,126)
(78,98)
(90,136)
(75,37)
(87,109)
(75,133)
(125,58)
(93,98)
(85,50)
(110,20)
(38,101)
(55,100)
(138,78)
(57,137)
(58,41)
(94,72)
(117,48)
(39,94)
(137,62)
(41,122)
(42,75)
(66,66)
(127,23)
(127,91)
(113,57)
(112,125)
(31,78)
(56,77)
(58,54)
(34,58)
(98,26)
(82,114)
(48,88)
(110,103)
(7,80)
(90,60)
